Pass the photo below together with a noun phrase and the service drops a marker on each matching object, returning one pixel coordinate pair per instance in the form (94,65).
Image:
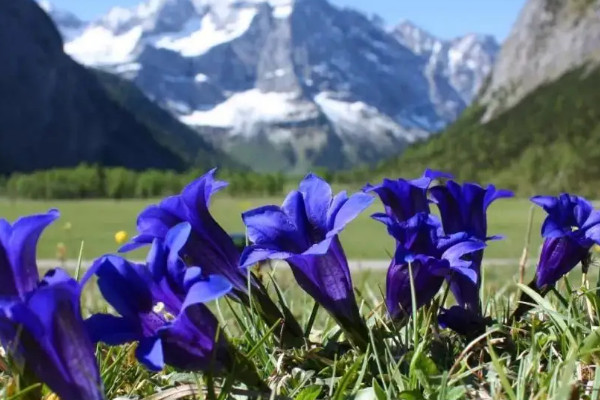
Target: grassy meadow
(95,222)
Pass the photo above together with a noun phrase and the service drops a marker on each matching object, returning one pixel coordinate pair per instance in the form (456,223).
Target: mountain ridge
(336,82)
(57,113)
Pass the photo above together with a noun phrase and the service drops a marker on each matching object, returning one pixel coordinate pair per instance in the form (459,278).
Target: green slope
(549,142)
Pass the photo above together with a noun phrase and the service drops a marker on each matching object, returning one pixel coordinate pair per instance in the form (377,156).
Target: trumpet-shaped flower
(304,232)
(161,307)
(571,229)
(463,209)
(40,322)
(208,244)
(210,247)
(402,198)
(46,335)
(430,257)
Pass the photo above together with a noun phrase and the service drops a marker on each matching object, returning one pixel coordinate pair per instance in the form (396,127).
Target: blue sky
(444,18)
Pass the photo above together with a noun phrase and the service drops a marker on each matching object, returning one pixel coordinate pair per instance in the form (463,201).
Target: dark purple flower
(304,232)
(462,321)
(463,209)
(161,307)
(432,257)
(18,242)
(210,247)
(208,244)
(571,228)
(40,322)
(402,198)
(45,335)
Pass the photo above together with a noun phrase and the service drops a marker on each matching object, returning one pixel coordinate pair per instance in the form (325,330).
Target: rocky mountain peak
(322,85)
(550,38)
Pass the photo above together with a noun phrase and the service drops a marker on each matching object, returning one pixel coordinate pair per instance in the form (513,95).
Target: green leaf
(456,393)
(590,350)
(379,392)
(347,380)
(309,393)
(411,395)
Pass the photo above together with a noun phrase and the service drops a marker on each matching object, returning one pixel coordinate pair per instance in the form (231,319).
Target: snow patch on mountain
(295,70)
(253,107)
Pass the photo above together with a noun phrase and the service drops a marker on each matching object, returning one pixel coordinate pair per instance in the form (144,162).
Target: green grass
(96,221)
(551,353)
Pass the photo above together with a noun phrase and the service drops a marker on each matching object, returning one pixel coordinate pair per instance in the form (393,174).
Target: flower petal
(150,353)
(269,225)
(214,287)
(18,262)
(111,329)
(356,204)
(317,199)
(68,350)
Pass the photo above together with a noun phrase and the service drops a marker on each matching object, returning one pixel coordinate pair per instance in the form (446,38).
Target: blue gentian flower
(209,246)
(41,327)
(571,228)
(401,198)
(18,242)
(463,209)
(304,232)
(432,257)
(161,306)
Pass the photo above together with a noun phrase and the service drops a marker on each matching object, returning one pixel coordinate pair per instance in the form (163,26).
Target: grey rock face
(296,74)
(462,63)
(549,38)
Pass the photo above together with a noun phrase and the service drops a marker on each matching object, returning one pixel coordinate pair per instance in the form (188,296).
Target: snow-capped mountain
(311,83)
(464,62)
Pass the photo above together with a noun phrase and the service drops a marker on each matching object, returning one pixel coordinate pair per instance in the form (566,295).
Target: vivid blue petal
(68,363)
(111,329)
(492,194)
(55,276)
(356,204)
(191,276)
(269,224)
(434,174)
(189,343)
(18,265)
(320,248)
(426,284)
(214,287)
(150,353)
(124,285)
(317,198)
(558,257)
(254,254)
(294,207)
(458,250)
(338,201)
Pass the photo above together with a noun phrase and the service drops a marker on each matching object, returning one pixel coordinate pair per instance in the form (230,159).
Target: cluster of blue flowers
(161,304)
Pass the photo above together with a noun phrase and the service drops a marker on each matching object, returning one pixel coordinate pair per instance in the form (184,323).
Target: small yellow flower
(67,226)
(596,248)
(121,237)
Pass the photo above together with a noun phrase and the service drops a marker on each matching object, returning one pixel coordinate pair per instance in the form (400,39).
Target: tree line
(95,181)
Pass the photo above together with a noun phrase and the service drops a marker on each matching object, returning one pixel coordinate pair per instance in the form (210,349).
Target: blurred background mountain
(295,85)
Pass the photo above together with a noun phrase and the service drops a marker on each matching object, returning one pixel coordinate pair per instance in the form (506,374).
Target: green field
(96,221)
